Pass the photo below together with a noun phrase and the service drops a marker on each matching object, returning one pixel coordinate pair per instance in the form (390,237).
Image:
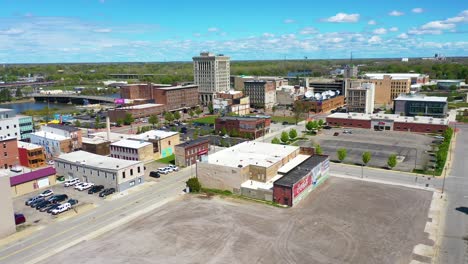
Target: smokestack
(108,127)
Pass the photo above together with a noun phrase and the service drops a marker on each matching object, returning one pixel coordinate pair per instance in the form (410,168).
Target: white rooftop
(49,135)
(128,143)
(394,75)
(96,161)
(293,163)
(141,106)
(27,145)
(251,153)
(395,118)
(420,97)
(154,134)
(113,136)
(94,140)
(255,185)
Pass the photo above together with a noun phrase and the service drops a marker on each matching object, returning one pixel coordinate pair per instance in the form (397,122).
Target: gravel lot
(344,221)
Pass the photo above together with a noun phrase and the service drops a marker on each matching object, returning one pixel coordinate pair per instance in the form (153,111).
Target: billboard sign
(119,101)
(300,186)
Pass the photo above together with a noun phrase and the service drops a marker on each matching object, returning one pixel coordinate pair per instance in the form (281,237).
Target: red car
(19,219)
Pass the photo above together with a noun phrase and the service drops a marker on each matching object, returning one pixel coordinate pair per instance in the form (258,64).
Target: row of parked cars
(81,186)
(51,203)
(168,169)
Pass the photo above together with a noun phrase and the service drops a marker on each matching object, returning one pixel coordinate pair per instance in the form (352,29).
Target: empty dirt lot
(344,221)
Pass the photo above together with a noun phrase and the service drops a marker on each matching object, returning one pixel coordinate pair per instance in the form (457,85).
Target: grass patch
(205,120)
(289,119)
(427,172)
(167,160)
(457,105)
(226,193)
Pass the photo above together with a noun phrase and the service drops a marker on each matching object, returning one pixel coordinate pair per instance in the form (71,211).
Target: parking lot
(344,221)
(413,147)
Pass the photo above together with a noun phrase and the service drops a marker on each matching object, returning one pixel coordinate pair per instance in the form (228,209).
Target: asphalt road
(453,247)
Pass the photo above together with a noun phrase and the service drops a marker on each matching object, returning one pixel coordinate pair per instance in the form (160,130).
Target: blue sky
(41,31)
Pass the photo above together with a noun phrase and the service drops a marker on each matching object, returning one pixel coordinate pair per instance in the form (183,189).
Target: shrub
(194,185)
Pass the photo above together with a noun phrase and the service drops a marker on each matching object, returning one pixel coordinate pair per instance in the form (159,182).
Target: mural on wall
(166,152)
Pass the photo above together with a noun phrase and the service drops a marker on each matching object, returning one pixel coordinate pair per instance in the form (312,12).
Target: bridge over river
(72,98)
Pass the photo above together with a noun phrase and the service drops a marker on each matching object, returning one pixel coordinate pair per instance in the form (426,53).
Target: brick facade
(346,122)
(9,155)
(322,106)
(177,97)
(248,127)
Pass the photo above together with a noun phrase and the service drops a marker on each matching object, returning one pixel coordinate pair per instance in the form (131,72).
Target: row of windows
(122,149)
(123,157)
(8,127)
(98,172)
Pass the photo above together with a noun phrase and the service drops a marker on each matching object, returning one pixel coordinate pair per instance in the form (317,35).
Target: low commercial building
(67,131)
(96,145)
(420,105)
(110,136)
(446,84)
(361,99)
(297,183)
(31,155)
(53,144)
(190,152)
(137,111)
(243,126)
(24,181)
(321,85)
(163,142)
(262,93)
(9,152)
(231,102)
(419,124)
(100,170)
(322,105)
(132,150)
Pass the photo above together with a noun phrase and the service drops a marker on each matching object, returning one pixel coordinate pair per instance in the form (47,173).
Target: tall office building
(361,99)
(211,73)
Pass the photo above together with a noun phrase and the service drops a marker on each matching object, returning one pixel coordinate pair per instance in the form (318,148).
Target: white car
(46,193)
(173,167)
(61,208)
(85,186)
(163,170)
(439,137)
(72,182)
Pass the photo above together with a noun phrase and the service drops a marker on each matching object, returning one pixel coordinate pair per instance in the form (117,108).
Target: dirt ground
(344,221)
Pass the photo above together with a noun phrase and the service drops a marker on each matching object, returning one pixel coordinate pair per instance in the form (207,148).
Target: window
(132,183)
(169,142)
(4,145)
(131,172)
(5,154)
(123,174)
(138,169)
(7,127)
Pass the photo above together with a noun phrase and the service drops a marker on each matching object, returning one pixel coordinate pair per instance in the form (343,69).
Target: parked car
(95,189)
(154,174)
(33,204)
(78,185)
(62,208)
(85,186)
(52,207)
(439,137)
(285,123)
(327,127)
(50,162)
(19,219)
(32,199)
(347,131)
(107,192)
(58,198)
(72,201)
(72,182)
(42,204)
(163,171)
(46,193)
(173,167)
(225,136)
(183,130)
(336,134)
(45,208)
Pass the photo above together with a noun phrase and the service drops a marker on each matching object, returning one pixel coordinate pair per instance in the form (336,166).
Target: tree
(223,131)
(292,134)
(119,122)
(298,110)
(392,161)
(311,125)
(138,130)
(153,120)
(194,185)
(341,154)
(366,157)
(320,123)
(284,137)
(176,115)
(169,117)
(195,133)
(198,111)
(97,120)
(275,141)
(210,108)
(318,149)
(77,123)
(191,113)
(128,120)
(453,88)
(18,93)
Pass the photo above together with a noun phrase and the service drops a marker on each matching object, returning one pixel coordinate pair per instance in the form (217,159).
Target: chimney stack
(108,127)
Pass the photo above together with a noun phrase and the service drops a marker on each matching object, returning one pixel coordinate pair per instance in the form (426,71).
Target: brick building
(321,106)
(31,155)
(9,155)
(53,144)
(96,145)
(136,150)
(231,102)
(66,131)
(137,111)
(262,93)
(176,97)
(190,152)
(388,88)
(419,124)
(140,91)
(245,126)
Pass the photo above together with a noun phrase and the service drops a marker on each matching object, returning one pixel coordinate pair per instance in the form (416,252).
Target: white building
(212,74)
(100,170)
(127,149)
(13,125)
(361,99)
(53,144)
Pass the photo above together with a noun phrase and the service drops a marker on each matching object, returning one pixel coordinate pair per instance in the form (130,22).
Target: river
(21,107)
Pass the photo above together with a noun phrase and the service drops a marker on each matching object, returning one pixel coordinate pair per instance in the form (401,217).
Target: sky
(48,31)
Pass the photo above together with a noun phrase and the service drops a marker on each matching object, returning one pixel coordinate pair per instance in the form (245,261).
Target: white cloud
(289,21)
(371,22)
(462,17)
(437,25)
(403,36)
(308,31)
(102,30)
(375,40)
(197,35)
(393,29)
(213,29)
(396,13)
(417,10)
(12,31)
(418,31)
(343,18)
(268,35)
(380,31)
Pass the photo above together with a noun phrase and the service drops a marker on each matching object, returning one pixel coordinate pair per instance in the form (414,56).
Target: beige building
(128,149)
(25,180)
(361,99)
(262,93)
(211,73)
(163,142)
(388,88)
(231,102)
(7,219)
(229,168)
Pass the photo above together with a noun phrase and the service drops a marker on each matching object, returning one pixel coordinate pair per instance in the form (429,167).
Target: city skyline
(123,31)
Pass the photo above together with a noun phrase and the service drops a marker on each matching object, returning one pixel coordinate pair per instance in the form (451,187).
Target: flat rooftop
(96,161)
(178,87)
(154,134)
(256,185)
(251,153)
(28,146)
(128,143)
(141,106)
(395,75)
(293,163)
(63,127)
(193,142)
(421,97)
(293,176)
(49,135)
(395,118)
(113,136)
(94,140)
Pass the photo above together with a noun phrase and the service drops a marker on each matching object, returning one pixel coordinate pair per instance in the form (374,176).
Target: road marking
(79,225)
